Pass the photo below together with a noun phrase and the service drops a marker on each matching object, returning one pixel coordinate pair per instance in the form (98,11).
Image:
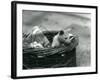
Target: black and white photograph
(54,39)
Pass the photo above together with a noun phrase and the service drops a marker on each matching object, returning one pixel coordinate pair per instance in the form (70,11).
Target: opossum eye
(70,36)
(66,38)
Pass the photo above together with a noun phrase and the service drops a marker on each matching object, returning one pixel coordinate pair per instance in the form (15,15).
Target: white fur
(36,45)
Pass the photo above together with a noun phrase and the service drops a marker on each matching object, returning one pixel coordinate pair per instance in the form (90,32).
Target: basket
(50,57)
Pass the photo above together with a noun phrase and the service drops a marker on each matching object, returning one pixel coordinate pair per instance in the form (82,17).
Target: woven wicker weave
(31,55)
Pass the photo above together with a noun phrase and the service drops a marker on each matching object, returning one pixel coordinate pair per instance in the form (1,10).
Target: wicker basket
(50,57)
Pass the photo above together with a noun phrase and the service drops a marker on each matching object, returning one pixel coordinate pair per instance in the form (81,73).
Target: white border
(35,72)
